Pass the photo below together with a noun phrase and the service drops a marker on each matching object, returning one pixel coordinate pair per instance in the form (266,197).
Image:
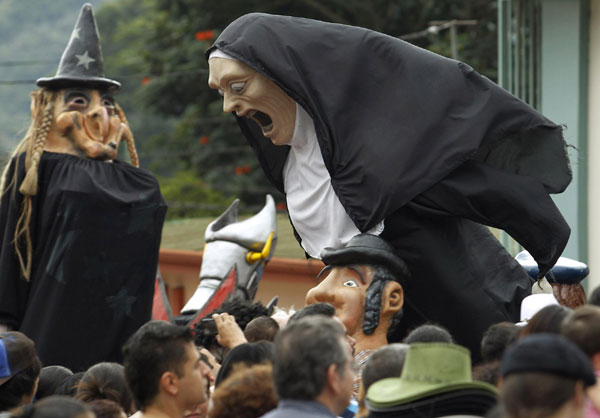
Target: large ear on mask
(392,298)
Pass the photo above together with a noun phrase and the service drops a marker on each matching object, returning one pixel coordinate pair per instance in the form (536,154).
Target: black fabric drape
(427,145)
(96,229)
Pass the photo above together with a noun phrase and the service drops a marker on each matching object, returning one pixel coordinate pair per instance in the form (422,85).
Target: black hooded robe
(96,229)
(427,145)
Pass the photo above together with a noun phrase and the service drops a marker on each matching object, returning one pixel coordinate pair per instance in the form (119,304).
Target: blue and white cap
(17,352)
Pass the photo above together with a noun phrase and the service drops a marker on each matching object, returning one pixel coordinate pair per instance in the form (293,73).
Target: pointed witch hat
(82,65)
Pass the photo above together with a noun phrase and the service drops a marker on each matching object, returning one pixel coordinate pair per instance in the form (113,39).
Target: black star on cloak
(121,304)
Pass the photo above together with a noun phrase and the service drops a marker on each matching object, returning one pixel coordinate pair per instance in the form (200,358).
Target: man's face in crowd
(345,288)
(193,382)
(346,381)
(250,94)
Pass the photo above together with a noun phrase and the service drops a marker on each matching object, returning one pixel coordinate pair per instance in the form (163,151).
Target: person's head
(496,338)
(55,406)
(594,298)
(104,408)
(245,355)
(544,375)
(546,320)
(250,94)
(246,393)
(325,309)
(51,377)
(313,362)
(319,308)
(487,372)
(363,283)
(69,385)
(262,328)
(19,370)
(242,310)
(161,360)
(435,381)
(429,333)
(74,113)
(106,381)
(583,328)
(385,362)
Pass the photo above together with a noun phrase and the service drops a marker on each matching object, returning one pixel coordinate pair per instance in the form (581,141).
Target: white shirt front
(314,208)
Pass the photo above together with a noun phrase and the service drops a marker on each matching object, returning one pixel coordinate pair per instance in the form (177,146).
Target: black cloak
(427,145)
(96,229)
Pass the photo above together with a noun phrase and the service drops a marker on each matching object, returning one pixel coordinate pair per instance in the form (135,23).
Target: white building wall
(594,147)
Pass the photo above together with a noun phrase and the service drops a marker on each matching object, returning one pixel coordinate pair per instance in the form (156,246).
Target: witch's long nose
(98,123)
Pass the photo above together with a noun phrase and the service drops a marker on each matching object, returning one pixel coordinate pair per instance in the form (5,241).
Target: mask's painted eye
(350,283)
(80,101)
(221,92)
(238,87)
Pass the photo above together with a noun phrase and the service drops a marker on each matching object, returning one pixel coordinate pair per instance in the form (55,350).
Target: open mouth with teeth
(262,119)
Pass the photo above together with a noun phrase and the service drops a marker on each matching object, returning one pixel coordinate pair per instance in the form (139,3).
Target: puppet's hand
(90,137)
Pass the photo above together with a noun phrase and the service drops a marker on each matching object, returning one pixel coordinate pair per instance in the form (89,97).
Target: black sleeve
(13,288)
(516,204)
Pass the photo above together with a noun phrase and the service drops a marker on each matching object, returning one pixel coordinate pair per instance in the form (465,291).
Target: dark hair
(488,372)
(321,308)
(51,378)
(106,381)
(242,310)
(583,328)
(595,297)
(535,395)
(262,328)
(248,355)
(429,333)
(54,406)
(387,361)
(373,299)
(496,338)
(21,384)
(304,350)
(546,320)
(157,347)
(68,387)
(104,408)
(247,393)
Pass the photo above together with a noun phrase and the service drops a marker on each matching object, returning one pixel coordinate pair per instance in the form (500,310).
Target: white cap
(217,53)
(532,304)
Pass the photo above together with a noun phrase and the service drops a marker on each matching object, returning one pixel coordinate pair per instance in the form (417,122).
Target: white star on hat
(84,60)
(75,34)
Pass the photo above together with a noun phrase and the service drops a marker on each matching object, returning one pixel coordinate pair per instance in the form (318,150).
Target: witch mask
(85,124)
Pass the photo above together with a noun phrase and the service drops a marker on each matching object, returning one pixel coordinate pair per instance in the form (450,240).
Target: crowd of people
(304,364)
(392,159)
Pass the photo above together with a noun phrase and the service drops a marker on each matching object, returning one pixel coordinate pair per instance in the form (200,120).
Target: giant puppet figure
(366,133)
(80,229)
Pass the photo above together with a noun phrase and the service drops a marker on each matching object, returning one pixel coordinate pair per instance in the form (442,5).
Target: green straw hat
(429,369)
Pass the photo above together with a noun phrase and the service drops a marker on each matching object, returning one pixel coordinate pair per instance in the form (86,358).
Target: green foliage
(187,197)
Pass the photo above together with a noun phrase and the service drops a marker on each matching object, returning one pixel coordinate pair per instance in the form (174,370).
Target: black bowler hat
(367,249)
(82,65)
(548,353)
